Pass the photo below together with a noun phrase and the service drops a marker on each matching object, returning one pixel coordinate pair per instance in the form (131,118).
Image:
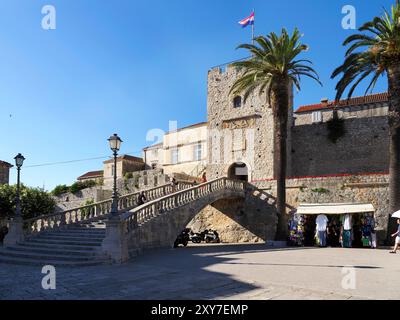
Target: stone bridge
(70,238)
(157,223)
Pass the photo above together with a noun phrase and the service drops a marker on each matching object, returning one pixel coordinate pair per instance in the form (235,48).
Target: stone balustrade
(96,210)
(144,213)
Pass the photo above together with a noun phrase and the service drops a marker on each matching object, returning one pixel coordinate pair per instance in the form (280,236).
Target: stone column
(15,233)
(115,244)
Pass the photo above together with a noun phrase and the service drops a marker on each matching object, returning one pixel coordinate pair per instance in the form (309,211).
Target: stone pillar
(15,233)
(115,244)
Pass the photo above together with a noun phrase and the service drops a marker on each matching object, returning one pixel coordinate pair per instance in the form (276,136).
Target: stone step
(55,263)
(87,242)
(61,250)
(58,246)
(91,225)
(70,237)
(75,234)
(43,257)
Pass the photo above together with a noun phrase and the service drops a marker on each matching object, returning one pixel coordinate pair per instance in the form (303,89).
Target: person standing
(204,178)
(322,224)
(333,234)
(142,199)
(397,235)
(346,231)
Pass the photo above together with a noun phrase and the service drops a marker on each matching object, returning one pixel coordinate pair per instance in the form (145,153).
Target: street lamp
(115,144)
(19,161)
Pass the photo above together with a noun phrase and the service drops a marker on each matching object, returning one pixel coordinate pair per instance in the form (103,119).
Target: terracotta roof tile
(373,98)
(92,174)
(5,164)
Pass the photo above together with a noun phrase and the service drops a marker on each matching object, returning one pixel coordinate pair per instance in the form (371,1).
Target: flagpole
(253,26)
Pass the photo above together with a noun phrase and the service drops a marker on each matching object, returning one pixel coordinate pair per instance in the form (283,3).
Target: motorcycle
(196,237)
(182,239)
(212,237)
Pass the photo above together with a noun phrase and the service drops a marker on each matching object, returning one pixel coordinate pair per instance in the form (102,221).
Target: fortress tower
(240,133)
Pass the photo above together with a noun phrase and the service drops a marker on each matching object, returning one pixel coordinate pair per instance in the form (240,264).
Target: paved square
(219,272)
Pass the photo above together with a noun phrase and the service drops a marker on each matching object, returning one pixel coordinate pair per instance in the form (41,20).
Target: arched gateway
(238,171)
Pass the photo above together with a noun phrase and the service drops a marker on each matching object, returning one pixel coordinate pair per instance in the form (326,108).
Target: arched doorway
(238,171)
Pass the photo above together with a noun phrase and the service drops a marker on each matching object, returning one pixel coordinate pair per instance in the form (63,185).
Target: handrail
(152,209)
(97,210)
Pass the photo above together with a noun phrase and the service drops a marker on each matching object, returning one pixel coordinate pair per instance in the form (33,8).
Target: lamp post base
(115,244)
(15,233)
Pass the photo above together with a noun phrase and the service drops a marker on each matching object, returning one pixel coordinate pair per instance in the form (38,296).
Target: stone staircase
(78,245)
(74,237)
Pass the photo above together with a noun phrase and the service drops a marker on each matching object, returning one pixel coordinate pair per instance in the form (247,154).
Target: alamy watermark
(349,21)
(49,280)
(49,20)
(349,280)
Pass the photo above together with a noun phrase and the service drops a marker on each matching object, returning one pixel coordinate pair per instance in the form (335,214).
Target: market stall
(358,216)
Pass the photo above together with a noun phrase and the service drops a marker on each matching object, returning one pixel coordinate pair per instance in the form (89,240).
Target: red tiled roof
(125,157)
(5,164)
(373,98)
(92,175)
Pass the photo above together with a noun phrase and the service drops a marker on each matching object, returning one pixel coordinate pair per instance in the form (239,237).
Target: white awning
(334,208)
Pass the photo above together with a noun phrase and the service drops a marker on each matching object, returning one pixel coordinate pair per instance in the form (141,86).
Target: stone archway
(239,171)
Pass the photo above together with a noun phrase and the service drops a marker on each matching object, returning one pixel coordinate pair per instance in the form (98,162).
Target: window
(317,116)
(197,152)
(174,156)
(112,170)
(237,102)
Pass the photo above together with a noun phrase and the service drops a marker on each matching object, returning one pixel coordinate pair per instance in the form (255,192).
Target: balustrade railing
(97,210)
(152,209)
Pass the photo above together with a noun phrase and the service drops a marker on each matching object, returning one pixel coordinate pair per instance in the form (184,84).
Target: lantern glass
(19,160)
(115,142)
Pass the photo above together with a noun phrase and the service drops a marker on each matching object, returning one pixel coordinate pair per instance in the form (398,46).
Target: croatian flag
(248,21)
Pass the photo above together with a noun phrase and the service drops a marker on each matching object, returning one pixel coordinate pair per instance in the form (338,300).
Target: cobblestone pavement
(219,272)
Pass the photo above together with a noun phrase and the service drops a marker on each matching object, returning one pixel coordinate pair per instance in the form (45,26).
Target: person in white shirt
(322,224)
(346,236)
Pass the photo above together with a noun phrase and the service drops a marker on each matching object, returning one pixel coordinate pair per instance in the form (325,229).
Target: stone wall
(379,109)
(69,200)
(4,175)
(363,148)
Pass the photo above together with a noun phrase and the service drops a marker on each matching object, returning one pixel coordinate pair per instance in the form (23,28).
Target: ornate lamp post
(19,161)
(115,144)
(15,233)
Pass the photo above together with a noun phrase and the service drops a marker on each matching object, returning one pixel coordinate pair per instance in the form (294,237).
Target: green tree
(274,67)
(374,52)
(34,202)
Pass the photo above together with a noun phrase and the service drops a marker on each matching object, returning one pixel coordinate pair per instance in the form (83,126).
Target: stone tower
(240,135)
(4,172)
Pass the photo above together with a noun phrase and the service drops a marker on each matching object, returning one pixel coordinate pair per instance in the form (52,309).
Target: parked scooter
(182,239)
(195,237)
(212,236)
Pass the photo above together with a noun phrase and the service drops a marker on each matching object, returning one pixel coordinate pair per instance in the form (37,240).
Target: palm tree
(379,54)
(274,67)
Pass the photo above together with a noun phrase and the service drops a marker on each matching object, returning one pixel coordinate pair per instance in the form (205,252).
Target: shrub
(336,129)
(34,202)
(80,185)
(320,190)
(60,189)
(128,175)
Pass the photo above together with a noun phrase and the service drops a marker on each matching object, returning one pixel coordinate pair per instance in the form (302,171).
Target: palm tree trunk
(394,148)
(280,106)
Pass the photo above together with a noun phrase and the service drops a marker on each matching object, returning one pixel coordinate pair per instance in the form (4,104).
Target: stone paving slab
(242,272)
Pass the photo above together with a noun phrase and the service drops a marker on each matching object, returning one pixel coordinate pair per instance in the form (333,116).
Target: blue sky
(129,66)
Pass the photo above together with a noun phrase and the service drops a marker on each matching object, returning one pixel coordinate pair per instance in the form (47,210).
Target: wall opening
(238,171)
